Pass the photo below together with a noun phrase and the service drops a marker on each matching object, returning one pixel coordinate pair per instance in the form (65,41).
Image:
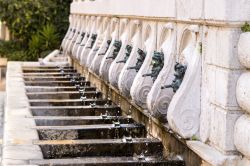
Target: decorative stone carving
(112,51)
(95,66)
(118,63)
(242,135)
(86,37)
(75,36)
(71,23)
(79,38)
(127,76)
(71,35)
(158,99)
(96,43)
(90,42)
(142,85)
(243,91)
(244,49)
(184,110)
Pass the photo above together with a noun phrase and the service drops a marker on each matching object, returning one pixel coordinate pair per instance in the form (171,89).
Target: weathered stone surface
(244,50)
(222,129)
(211,155)
(243,91)
(228,10)
(242,136)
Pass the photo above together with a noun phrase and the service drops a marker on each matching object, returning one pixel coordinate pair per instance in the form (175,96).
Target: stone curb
(18,138)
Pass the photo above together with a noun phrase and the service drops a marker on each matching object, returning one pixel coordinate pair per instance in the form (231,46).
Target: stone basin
(47,70)
(111,110)
(108,161)
(63,95)
(47,78)
(68,102)
(80,120)
(53,149)
(96,131)
(56,88)
(54,83)
(50,74)
(45,67)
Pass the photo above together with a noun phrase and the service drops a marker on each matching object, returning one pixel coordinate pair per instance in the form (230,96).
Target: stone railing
(176,59)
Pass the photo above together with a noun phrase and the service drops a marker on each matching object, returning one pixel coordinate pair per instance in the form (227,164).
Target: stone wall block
(227,10)
(222,47)
(222,129)
(222,87)
(244,49)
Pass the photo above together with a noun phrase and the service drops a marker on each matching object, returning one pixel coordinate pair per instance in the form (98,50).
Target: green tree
(28,18)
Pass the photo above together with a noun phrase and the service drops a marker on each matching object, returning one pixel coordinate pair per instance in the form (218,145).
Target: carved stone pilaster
(158,99)
(184,109)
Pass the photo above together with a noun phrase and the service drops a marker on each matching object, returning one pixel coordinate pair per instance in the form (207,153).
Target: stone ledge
(211,155)
(18,146)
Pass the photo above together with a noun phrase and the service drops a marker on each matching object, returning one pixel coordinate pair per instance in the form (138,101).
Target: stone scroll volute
(117,65)
(184,110)
(79,37)
(97,43)
(91,40)
(158,99)
(88,24)
(96,62)
(142,85)
(107,60)
(127,76)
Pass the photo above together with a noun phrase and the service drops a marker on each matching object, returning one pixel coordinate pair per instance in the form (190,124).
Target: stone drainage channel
(76,126)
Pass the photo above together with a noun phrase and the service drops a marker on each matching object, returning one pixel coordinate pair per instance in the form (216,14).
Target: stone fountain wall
(203,35)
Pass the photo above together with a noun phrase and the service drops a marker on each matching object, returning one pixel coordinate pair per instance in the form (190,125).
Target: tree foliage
(25,17)
(36,25)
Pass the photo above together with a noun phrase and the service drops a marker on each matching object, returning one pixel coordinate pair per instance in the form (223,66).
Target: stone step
(80,120)
(68,102)
(53,149)
(139,160)
(96,131)
(110,110)
(56,88)
(63,95)
(56,83)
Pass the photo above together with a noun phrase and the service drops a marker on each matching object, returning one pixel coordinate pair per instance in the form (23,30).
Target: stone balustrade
(194,92)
